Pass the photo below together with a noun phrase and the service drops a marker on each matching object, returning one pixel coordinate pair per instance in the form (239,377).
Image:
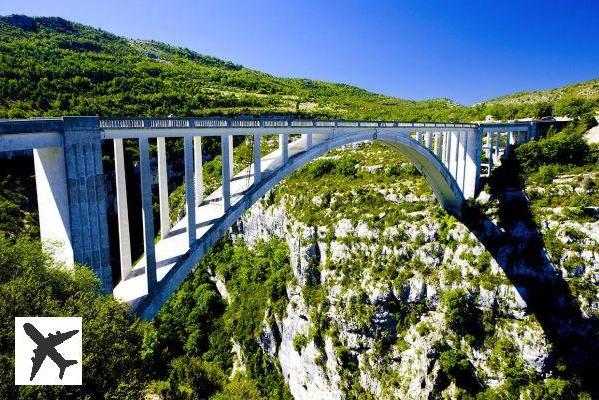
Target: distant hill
(586,90)
(52,67)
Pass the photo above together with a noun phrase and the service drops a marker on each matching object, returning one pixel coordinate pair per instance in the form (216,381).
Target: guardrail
(157,123)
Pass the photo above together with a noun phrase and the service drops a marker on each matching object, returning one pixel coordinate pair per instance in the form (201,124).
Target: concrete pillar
(230,157)
(490,150)
(497,137)
(226,170)
(257,160)
(419,137)
(87,196)
(122,208)
(473,152)
(428,140)
(534,131)
(53,203)
(444,148)
(165,219)
(308,141)
(284,147)
(461,158)
(147,213)
(439,145)
(453,155)
(448,150)
(197,169)
(189,190)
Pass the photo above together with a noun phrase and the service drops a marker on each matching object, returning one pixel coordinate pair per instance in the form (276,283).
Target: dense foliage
(31,284)
(190,349)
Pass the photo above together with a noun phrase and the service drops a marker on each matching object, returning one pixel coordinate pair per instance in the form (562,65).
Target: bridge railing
(211,122)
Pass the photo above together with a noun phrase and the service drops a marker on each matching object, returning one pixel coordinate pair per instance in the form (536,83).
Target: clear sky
(466,50)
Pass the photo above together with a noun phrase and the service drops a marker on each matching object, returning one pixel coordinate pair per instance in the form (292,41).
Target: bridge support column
(226,142)
(122,208)
(53,203)
(534,131)
(308,141)
(453,154)
(257,160)
(473,146)
(190,200)
(197,170)
(87,196)
(446,144)
(428,140)
(165,220)
(461,158)
(438,145)
(419,136)
(490,150)
(284,147)
(147,213)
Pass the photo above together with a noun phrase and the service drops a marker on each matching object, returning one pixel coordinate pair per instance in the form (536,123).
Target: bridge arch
(439,178)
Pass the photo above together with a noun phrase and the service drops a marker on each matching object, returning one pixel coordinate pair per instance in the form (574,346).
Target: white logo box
(70,350)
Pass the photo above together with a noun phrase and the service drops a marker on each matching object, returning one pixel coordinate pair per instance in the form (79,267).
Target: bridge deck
(171,249)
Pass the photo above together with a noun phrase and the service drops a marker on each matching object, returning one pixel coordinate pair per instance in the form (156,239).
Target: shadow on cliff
(518,247)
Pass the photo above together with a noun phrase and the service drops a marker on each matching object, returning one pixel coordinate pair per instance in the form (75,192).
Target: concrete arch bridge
(71,184)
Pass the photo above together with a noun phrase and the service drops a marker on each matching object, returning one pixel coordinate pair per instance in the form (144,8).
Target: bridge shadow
(518,247)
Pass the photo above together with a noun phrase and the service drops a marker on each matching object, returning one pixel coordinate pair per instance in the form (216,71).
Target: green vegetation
(190,349)
(53,67)
(31,284)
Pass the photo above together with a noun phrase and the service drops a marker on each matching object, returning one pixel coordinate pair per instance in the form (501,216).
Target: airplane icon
(46,347)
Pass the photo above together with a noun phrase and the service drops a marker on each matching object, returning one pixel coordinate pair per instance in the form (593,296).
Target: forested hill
(53,67)
(585,90)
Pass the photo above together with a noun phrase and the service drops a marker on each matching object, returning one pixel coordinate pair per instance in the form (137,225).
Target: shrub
(567,148)
(461,314)
(456,366)
(300,341)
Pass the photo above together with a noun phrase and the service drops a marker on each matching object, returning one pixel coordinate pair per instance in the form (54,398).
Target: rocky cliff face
(393,298)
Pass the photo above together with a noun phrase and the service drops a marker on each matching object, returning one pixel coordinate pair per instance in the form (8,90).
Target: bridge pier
(226,142)
(87,196)
(122,208)
(284,147)
(473,152)
(308,141)
(147,213)
(53,203)
(198,171)
(438,145)
(190,191)
(165,219)
(428,140)
(257,160)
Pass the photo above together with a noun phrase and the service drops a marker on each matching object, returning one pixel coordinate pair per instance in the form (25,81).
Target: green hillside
(53,67)
(585,90)
(50,66)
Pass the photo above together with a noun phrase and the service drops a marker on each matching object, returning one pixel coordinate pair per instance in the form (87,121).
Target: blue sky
(465,50)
